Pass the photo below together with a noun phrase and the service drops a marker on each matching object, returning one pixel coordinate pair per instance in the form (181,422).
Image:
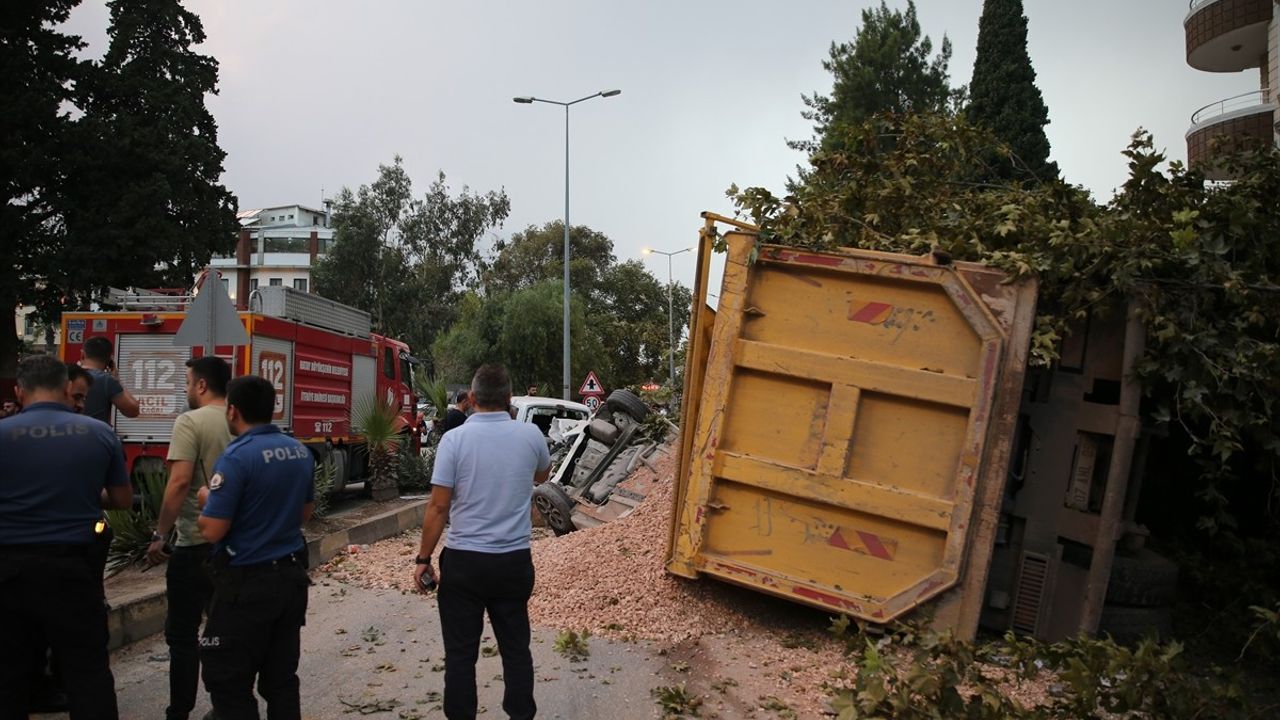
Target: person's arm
(118,497)
(219,500)
(307,510)
(544,459)
(124,400)
(437,512)
(175,493)
(127,404)
(432,527)
(542,476)
(117,491)
(213,529)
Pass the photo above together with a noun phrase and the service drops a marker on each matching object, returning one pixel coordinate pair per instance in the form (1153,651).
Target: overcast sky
(316,93)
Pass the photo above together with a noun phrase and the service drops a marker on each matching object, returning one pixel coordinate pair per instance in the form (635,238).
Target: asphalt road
(364,649)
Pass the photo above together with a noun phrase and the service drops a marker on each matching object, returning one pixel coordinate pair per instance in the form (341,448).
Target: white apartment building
(276,246)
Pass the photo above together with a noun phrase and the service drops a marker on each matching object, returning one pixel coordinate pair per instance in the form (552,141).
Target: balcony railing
(1231,105)
(1197,4)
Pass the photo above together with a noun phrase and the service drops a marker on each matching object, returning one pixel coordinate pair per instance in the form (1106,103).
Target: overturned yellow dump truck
(847,425)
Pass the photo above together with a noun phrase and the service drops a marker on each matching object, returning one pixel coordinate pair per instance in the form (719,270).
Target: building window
(253,283)
(324,245)
(275,282)
(286,245)
(300,284)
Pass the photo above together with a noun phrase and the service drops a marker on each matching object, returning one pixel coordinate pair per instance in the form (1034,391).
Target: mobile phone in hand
(426,582)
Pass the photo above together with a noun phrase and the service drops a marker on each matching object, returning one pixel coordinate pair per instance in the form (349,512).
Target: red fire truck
(319,354)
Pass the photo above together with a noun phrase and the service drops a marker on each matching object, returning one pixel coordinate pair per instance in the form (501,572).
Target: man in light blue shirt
(482,483)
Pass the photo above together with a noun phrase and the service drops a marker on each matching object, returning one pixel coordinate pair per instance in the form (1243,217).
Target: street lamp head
(647,251)
(525,100)
(610,93)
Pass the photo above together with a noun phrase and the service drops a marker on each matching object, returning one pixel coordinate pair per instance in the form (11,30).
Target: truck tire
(1130,624)
(624,401)
(340,465)
(604,431)
(555,506)
(1146,579)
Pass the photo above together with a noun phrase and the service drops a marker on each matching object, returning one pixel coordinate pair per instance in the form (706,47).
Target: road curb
(141,616)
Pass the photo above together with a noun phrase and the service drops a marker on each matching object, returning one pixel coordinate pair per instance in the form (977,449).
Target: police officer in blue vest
(58,470)
(259,496)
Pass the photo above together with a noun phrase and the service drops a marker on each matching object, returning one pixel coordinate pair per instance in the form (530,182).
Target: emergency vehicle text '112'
(319,354)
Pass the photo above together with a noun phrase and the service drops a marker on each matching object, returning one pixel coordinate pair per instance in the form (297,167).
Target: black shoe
(51,701)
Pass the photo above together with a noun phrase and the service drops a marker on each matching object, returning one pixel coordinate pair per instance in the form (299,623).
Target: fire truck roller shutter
(273,360)
(154,370)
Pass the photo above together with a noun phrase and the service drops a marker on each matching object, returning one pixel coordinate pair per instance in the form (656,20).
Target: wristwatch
(155,536)
(422,560)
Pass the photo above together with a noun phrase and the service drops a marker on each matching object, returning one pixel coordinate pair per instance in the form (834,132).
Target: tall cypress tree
(1003,96)
(147,207)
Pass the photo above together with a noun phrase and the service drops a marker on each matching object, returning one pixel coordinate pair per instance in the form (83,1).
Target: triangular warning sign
(212,319)
(591,386)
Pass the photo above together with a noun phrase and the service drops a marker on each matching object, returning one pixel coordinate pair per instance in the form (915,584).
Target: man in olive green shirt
(199,437)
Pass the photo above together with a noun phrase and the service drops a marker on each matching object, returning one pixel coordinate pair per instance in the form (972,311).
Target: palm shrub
(323,477)
(379,421)
(132,528)
(413,470)
(434,390)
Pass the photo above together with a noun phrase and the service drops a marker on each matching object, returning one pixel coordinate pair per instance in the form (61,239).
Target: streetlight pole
(566,105)
(671,322)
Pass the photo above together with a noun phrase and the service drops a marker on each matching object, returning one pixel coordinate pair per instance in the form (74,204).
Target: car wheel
(556,507)
(624,401)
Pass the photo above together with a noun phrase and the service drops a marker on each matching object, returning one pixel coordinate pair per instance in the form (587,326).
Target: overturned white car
(591,459)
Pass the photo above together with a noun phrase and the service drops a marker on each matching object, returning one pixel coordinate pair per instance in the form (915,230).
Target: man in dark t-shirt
(106,390)
(458,413)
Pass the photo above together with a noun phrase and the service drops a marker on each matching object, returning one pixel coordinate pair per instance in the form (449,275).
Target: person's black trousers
(254,631)
(472,583)
(187,591)
(54,594)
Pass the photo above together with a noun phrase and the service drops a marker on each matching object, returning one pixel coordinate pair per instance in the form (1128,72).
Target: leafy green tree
(630,315)
(1003,96)
(368,263)
(145,205)
(889,67)
(407,261)
(625,315)
(472,340)
(37,69)
(522,330)
(536,254)
(531,338)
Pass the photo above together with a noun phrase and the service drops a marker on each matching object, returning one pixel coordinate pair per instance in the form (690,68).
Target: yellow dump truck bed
(846,427)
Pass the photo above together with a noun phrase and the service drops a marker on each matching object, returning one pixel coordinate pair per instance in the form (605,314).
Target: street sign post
(592,391)
(592,385)
(212,318)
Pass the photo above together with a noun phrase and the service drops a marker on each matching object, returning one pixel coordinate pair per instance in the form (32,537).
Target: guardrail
(1231,104)
(1197,4)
